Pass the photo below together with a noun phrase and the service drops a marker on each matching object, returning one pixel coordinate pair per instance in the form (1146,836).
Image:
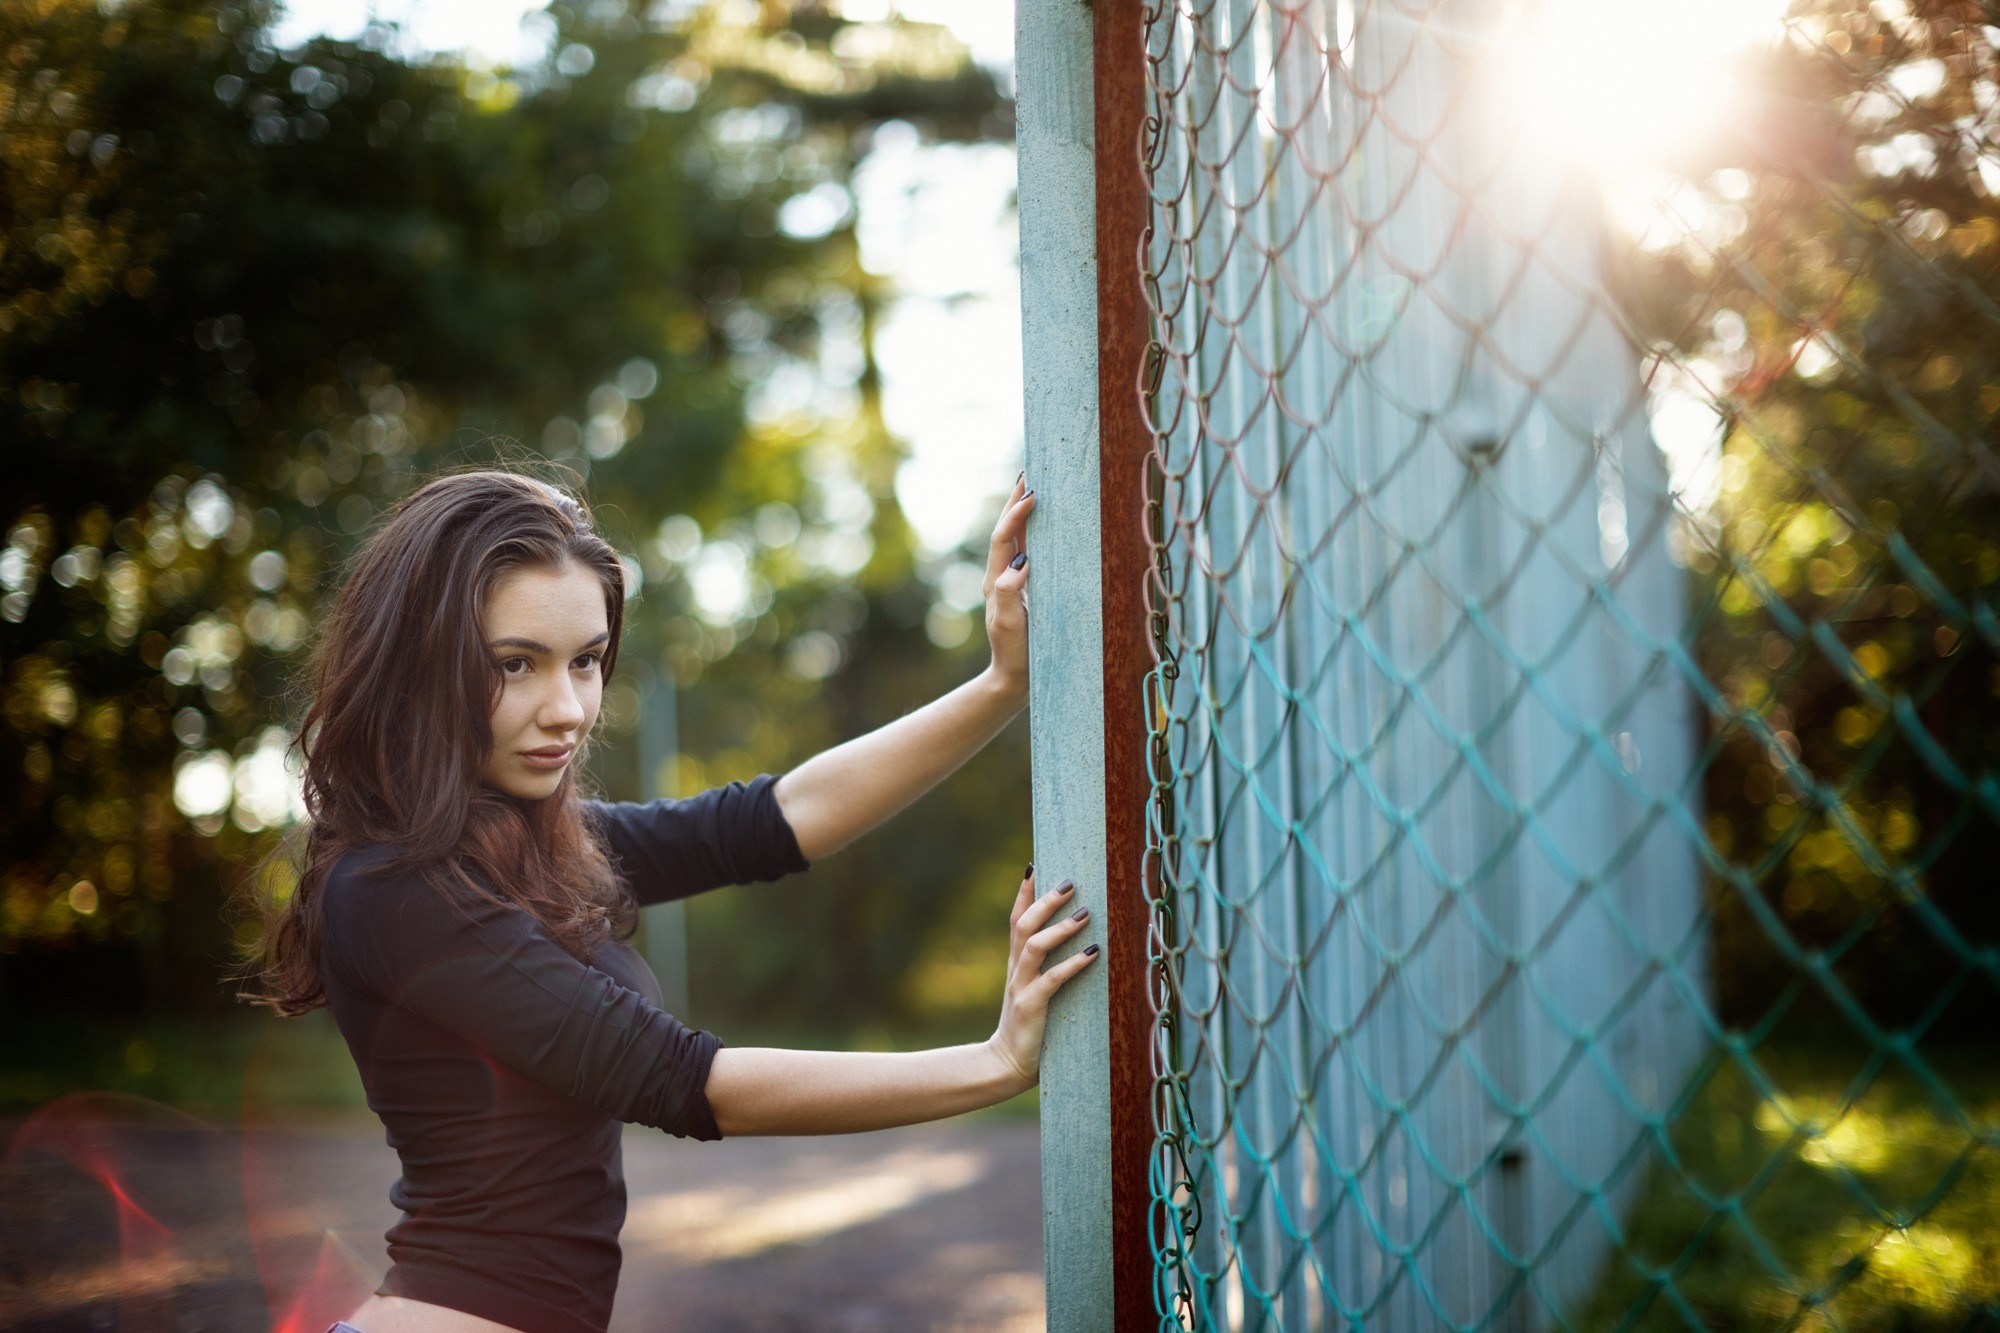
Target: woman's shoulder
(365,879)
(364,863)
(378,913)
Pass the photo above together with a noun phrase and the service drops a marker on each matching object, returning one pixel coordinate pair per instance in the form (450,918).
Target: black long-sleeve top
(502,1067)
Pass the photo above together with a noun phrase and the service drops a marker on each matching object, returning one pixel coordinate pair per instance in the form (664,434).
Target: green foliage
(222,1066)
(1839,298)
(1763,1210)
(247,298)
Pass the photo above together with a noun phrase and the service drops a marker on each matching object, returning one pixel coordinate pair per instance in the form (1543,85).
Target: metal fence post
(664,933)
(1084,328)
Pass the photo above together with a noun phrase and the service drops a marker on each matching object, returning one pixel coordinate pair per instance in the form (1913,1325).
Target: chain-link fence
(1575,710)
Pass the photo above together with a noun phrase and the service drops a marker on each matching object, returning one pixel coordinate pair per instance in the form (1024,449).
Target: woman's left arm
(835,797)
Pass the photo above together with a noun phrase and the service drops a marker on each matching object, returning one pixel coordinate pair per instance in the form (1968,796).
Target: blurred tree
(247,297)
(1838,298)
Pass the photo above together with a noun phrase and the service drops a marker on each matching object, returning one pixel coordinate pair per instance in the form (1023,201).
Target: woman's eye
(514,666)
(587,662)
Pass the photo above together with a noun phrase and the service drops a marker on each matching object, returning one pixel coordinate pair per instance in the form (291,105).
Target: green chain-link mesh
(1574,723)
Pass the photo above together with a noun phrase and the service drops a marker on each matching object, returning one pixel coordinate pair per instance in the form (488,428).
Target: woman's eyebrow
(536,646)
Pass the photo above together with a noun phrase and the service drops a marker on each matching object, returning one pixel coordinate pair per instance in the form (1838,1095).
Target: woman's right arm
(761,1090)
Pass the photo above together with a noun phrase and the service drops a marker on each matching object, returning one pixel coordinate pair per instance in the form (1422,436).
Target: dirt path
(934,1228)
(119,1216)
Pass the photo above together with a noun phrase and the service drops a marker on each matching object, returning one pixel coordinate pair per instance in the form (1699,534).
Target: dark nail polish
(1066,886)
(1018,561)
(1079,914)
(1029,873)
(1091,952)
(1026,496)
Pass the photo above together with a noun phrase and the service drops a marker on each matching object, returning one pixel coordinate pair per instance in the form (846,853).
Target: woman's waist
(513,1194)
(399,1314)
(549,1279)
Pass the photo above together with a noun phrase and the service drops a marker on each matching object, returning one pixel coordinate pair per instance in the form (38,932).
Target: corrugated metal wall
(1439,920)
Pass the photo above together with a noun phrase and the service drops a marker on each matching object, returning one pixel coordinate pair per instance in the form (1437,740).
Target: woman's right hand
(1024,1009)
(754,1090)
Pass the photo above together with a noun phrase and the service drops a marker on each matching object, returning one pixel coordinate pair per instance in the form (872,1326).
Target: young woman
(462,909)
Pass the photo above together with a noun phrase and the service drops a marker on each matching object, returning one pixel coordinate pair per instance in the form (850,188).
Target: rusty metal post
(1123,325)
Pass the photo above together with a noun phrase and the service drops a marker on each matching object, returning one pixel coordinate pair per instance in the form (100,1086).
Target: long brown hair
(402,694)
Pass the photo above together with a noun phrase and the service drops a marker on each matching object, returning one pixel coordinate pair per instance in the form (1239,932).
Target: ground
(117,1214)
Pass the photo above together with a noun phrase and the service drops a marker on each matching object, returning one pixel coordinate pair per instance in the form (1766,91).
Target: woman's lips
(548,760)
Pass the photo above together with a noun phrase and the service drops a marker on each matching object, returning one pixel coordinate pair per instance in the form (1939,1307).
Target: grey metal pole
(1057,145)
(663,926)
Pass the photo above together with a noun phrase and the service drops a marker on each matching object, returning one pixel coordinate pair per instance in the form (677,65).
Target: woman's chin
(527,785)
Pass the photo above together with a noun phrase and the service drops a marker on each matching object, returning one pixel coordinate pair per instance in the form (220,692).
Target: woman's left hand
(1007,590)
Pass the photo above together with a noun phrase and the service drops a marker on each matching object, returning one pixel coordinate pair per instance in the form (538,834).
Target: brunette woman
(463,909)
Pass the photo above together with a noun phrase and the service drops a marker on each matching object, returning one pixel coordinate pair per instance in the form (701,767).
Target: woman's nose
(561,709)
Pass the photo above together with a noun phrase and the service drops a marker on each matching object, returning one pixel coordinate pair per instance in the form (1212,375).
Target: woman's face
(547,629)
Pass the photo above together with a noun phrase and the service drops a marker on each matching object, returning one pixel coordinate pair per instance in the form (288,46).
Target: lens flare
(312,1274)
(339,1283)
(1613,86)
(114,1203)
(173,1220)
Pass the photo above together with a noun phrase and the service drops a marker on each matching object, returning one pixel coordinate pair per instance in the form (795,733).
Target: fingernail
(1026,496)
(1066,886)
(1091,952)
(1079,914)
(1029,873)
(1018,561)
